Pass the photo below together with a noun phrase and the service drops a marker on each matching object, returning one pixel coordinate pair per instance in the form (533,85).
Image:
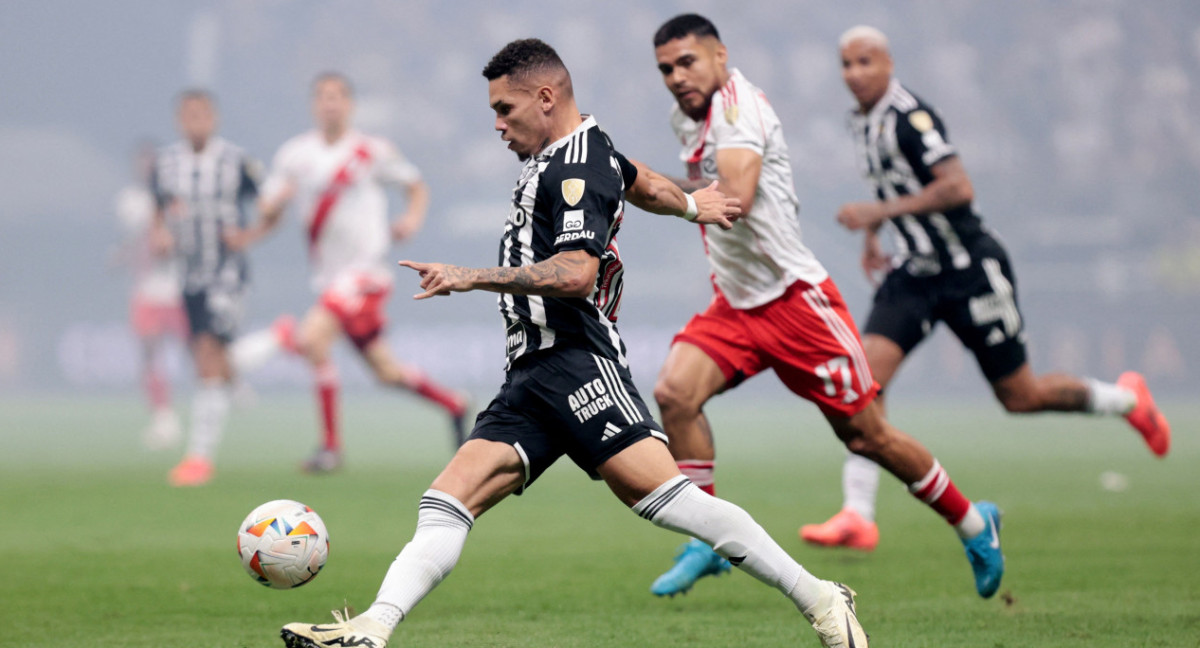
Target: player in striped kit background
(950,268)
(202,187)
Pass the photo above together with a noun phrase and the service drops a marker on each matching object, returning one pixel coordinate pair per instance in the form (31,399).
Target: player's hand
(439,278)
(238,239)
(715,208)
(162,244)
(402,229)
(858,215)
(875,263)
(274,203)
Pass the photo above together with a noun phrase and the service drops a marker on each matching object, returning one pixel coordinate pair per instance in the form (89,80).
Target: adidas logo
(610,431)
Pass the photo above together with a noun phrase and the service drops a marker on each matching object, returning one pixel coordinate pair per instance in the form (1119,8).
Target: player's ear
(722,54)
(546,97)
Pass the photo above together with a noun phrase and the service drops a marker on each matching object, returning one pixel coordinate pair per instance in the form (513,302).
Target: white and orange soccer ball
(283,544)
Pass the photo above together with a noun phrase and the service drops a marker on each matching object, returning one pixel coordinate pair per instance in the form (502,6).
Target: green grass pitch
(96,549)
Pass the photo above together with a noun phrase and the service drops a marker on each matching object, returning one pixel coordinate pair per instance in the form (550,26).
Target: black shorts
(566,401)
(978,303)
(216,311)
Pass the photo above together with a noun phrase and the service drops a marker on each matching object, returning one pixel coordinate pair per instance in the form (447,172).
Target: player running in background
(775,306)
(155,306)
(201,186)
(568,389)
(948,268)
(336,176)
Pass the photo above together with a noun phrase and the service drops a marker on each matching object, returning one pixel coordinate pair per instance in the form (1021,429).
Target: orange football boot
(192,471)
(1145,416)
(846,529)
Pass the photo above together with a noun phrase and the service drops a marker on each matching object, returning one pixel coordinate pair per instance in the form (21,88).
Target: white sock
(679,506)
(860,483)
(210,408)
(1107,398)
(385,613)
(442,526)
(253,350)
(971,525)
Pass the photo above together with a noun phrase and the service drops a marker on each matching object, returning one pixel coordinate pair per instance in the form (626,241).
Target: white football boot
(361,632)
(834,618)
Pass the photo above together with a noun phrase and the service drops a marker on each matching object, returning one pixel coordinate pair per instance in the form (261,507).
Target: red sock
(447,399)
(158,389)
(936,490)
(327,394)
(700,473)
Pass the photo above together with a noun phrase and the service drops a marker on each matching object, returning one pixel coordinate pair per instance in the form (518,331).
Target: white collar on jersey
(588,122)
(212,147)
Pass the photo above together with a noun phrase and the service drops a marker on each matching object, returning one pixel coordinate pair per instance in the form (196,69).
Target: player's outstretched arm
(413,218)
(658,194)
(270,213)
(951,187)
(566,274)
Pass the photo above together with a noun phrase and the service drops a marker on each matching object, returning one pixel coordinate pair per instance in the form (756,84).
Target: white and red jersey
(156,277)
(340,195)
(763,254)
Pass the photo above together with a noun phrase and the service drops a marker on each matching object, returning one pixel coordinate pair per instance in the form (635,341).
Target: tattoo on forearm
(552,277)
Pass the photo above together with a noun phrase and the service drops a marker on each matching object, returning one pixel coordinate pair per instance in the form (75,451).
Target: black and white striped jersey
(569,197)
(898,143)
(202,194)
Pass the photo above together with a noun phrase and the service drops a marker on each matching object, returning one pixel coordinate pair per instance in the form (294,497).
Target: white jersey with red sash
(762,255)
(340,194)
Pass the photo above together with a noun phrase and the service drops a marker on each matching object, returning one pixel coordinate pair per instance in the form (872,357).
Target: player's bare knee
(673,401)
(863,437)
(1017,402)
(869,447)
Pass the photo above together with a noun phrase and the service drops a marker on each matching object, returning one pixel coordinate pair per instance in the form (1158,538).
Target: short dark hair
(330,75)
(523,58)
(195,94)
(685,25)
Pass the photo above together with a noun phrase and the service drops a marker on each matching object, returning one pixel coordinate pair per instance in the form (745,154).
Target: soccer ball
(283,544)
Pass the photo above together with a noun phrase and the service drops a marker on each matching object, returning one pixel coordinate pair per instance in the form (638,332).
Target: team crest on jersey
(731,113)
(572,190)
(921,121)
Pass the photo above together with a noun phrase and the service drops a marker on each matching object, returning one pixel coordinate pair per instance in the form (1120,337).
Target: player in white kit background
(155,305)
(335,178)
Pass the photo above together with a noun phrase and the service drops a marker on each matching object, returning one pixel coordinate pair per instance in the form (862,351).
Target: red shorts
(154,319)
(359,306)
(806,335)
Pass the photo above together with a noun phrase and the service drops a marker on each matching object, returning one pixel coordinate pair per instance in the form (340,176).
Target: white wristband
(691,212)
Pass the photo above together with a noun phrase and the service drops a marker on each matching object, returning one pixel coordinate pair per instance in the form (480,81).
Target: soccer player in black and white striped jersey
(568,389)
(201,185)
(949,268)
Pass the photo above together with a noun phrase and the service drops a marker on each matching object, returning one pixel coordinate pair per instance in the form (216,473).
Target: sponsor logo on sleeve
(572,220)
(573,228)
(731,114)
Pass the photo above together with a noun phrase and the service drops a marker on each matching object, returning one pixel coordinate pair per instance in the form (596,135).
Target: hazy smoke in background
(1075,119)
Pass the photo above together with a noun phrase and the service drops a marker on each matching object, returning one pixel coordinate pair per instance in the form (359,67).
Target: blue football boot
(983,551)
(694,561)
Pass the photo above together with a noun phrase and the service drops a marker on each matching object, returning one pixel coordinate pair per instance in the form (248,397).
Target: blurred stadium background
(1071,116)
